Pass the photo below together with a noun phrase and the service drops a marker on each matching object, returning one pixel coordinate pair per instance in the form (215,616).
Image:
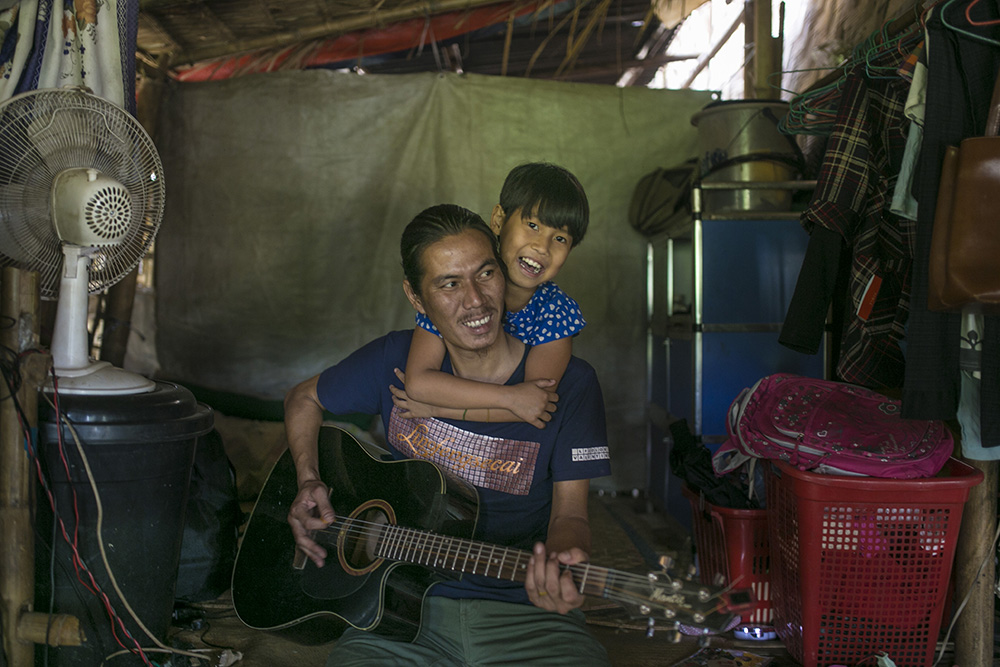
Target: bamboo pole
(121,296)
(54,629)
(19,330)
(762,63)
(118,320)
(974,628)
(21,627)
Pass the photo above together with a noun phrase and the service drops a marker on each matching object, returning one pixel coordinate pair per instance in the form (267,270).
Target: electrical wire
(104,556)
(77,560)
(224,657)
(52,589)
(10,370)
(12,377)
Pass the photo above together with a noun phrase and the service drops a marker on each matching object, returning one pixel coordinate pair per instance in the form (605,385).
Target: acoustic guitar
(401,527)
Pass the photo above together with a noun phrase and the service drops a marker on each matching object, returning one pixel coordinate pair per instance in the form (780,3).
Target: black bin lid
(168,412)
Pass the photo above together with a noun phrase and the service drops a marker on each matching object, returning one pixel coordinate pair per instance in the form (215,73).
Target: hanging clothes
(962,67)
(850,214)
(914,70)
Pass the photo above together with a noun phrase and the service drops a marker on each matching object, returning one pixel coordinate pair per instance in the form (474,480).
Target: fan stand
(75,371)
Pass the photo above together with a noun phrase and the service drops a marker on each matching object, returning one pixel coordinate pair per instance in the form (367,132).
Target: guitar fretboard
(455,554)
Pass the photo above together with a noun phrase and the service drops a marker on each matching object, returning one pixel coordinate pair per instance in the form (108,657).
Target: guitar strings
(364,530)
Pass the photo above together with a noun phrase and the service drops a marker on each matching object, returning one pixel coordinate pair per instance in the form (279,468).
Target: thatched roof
(597,41)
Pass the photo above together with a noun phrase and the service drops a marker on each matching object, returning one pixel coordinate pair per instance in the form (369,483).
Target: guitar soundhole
(359,536)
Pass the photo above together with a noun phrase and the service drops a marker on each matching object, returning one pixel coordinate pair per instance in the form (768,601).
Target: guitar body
(272,591)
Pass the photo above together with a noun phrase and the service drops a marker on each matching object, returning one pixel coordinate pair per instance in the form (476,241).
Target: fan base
(99,378)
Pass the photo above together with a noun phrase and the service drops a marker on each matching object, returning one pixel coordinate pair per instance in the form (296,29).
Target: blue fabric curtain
(56,43)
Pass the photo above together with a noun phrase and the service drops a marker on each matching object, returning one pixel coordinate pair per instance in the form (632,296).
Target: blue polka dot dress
(549,315)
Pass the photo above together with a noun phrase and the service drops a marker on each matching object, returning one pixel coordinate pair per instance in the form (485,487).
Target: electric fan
(81,199)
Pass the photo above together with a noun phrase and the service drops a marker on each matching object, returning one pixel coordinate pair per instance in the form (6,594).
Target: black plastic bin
(140,449)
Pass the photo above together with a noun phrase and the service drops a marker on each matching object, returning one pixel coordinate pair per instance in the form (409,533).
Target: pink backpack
(832,427)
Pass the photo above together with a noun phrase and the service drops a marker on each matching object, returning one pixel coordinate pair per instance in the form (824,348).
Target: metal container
(739,141)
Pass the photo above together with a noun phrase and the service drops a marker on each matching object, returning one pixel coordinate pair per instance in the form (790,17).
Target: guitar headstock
(681,604)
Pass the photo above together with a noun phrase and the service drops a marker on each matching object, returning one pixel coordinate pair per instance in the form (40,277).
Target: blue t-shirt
(549,315)
(513,465)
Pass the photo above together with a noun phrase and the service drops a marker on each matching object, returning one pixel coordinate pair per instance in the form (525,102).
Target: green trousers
(478,632)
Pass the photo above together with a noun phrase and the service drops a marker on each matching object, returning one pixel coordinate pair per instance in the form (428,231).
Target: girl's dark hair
(549,191)
(430,226)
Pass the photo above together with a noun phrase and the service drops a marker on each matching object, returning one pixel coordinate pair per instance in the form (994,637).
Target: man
(532,484)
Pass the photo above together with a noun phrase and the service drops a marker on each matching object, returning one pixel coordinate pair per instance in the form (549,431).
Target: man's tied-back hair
(432,225)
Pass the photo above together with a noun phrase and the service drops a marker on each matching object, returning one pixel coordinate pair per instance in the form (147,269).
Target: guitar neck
(455,554)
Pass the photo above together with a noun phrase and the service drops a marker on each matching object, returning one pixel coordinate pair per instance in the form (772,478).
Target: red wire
(78,565)
(968,16)
(77,560)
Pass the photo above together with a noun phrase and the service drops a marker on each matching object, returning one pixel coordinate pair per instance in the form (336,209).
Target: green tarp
(287,193)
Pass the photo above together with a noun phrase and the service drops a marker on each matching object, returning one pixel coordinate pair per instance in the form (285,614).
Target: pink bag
(831,427)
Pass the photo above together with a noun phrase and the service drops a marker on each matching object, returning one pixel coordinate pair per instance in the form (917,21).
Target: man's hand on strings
(311,511)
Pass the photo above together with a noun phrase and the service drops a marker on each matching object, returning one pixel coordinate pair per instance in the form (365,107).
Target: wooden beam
(323,9)
(975,573)
(635,67)
(327,29)
(54,630)
(149,22)
(707,57)
(265,10)
(218,23)
(672,12)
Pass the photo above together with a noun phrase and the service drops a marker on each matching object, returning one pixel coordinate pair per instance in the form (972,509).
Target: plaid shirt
(852,197)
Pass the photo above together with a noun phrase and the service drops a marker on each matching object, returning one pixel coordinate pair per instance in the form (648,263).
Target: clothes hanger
(965,33)
(813,111)
(968,16)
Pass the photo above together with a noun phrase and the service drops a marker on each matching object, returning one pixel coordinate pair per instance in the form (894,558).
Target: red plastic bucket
(734,543)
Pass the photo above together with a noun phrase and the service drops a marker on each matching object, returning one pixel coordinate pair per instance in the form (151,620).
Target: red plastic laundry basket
(733,543)
(861,565)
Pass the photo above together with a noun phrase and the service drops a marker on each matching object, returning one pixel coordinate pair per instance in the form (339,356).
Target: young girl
(543,213)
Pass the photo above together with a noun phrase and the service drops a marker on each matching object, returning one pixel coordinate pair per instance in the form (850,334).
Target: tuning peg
(675,636)
(719,579)
(650,626)
(704,640)
(665,562)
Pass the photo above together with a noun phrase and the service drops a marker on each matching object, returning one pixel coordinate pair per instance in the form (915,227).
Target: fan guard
(43,134)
